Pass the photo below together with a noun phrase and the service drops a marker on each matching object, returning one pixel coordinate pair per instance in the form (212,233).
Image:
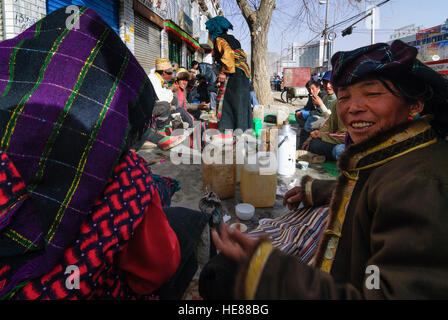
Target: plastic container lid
(244,211)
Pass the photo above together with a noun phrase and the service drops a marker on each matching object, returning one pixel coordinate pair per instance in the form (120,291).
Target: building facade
(312,54)
(432,43)
(150,28)
(305,55)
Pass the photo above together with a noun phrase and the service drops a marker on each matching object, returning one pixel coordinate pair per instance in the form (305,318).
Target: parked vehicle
(294,85)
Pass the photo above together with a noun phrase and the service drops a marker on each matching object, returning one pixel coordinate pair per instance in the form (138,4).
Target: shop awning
(182,34)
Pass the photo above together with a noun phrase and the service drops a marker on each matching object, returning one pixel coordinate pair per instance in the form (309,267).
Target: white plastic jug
(286,151)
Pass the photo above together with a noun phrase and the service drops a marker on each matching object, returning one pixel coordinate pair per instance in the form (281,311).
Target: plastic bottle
(221,176)
(258,180)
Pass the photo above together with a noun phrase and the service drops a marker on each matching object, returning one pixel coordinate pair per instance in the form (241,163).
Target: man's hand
(299,115)
(204,106)
(306,144)
(317,101)
(174,87)
(234,244)
(316,134)
(293,198)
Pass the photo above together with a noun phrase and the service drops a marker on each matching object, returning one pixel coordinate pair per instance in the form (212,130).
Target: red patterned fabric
(148,267)
(12,191)
(114,220)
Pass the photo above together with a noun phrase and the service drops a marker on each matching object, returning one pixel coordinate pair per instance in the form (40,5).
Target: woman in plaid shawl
(81,216)
(386,234)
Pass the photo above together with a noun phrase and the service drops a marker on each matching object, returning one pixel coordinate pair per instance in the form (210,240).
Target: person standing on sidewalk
(234,111)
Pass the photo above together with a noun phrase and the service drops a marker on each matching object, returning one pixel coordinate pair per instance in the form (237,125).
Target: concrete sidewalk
(190,179)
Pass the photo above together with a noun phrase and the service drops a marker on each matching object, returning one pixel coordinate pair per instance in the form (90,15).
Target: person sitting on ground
(180,102)
(323,109)
(82,216)
(206,71)
(156,131)
(386,234)
(253,96)
(327,141)
(202,99)
(310,113)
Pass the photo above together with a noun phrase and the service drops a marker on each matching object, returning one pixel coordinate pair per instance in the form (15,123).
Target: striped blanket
(241,62)
(297,233)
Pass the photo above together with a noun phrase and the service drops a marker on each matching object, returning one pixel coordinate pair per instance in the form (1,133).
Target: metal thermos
(286,151)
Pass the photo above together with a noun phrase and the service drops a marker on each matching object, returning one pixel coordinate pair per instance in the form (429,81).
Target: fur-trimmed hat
(183,74)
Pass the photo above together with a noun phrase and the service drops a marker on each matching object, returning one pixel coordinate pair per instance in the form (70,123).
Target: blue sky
(393,15)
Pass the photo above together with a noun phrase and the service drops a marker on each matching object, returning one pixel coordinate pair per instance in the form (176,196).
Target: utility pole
(372,25)
(281,53)
(327,2)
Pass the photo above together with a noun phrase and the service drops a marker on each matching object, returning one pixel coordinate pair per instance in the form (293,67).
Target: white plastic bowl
(243,227)
(244,211)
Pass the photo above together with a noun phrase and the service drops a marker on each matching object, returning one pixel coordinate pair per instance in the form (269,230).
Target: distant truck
(294,83)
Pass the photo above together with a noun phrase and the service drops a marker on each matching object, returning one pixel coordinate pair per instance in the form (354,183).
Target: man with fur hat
(161,115)
(180,96)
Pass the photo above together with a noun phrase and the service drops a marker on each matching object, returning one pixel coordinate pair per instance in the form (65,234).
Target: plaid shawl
(72,101)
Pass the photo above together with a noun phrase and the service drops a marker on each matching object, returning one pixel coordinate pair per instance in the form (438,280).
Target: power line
(347,21)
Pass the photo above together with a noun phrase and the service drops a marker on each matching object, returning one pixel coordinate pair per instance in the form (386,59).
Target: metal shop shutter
(147,42)
(1,22)
(107,9)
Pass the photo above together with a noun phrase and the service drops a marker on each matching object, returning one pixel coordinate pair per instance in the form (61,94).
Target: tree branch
(247,12)
(266,9)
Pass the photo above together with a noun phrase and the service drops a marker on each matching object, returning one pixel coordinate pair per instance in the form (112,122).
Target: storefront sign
(185,22)
(434,31)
